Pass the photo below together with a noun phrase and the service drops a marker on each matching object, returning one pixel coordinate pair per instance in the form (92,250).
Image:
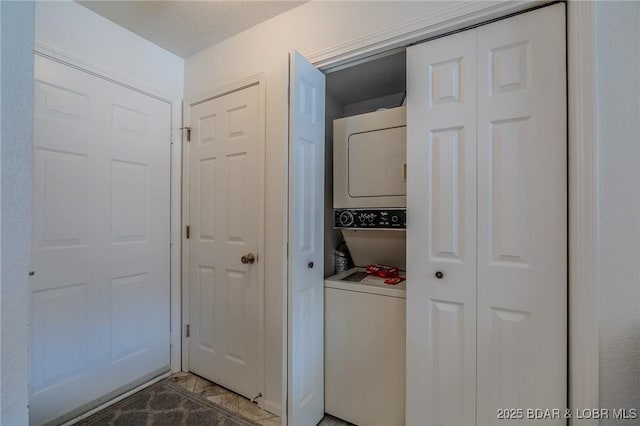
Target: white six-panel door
(441,232)
(487,190)
(522,214)
(100,241)
(224,215)
(306,249)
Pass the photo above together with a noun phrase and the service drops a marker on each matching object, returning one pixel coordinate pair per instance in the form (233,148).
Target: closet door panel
(441,232)
(522,227)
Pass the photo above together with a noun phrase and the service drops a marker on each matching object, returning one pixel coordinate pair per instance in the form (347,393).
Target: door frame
(259,80)
(583,345)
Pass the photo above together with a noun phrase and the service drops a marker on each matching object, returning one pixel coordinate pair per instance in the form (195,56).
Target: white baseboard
(272,407)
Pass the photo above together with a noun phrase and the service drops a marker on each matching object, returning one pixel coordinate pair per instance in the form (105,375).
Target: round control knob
(439,275)
(345,218)
(394,219)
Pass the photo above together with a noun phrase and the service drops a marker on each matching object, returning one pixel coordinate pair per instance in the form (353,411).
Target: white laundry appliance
(364,317)
(365,349)
(370,185)
(370,160)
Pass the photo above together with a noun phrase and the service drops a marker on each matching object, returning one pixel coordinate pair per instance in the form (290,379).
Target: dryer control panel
(370,219)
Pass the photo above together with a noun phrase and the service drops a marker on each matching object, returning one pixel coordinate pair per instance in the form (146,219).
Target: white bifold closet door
(441,205)
(100,245)
(305,369)
(487,191)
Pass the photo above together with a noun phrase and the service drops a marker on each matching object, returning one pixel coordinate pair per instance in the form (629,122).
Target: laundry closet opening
(365,219)
(366,93)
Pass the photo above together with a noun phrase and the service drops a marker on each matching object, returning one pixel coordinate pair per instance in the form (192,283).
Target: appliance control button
(345,218)
(394,219)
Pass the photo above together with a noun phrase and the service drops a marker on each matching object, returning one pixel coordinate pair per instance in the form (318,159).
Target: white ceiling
(187,27)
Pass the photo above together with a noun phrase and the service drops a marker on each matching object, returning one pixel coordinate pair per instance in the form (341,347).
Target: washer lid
(368,284)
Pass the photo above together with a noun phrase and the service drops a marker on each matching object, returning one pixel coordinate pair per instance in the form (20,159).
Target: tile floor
(235,402)
(226,398)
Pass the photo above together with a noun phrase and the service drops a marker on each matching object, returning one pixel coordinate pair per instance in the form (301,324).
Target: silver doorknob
(248,258)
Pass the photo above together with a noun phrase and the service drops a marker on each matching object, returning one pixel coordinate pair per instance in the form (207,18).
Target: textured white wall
(83,34)
(618,79)
(16,105)
(308,28)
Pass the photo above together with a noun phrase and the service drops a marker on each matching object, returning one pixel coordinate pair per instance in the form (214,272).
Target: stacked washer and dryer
(364,317)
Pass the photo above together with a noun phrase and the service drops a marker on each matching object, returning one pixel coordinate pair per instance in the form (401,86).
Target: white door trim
(582,150)
(583,209)
(259,80)
(444,18)
(65,58)
(51,52)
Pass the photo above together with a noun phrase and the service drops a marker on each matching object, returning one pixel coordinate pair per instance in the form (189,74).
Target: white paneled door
(306,244)
(225,160)
(441,188)
(487,230)
(100,249)
(522,214)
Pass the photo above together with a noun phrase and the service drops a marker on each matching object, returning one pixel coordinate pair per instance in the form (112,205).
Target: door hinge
(187,330)
(188,129)
(188,231)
